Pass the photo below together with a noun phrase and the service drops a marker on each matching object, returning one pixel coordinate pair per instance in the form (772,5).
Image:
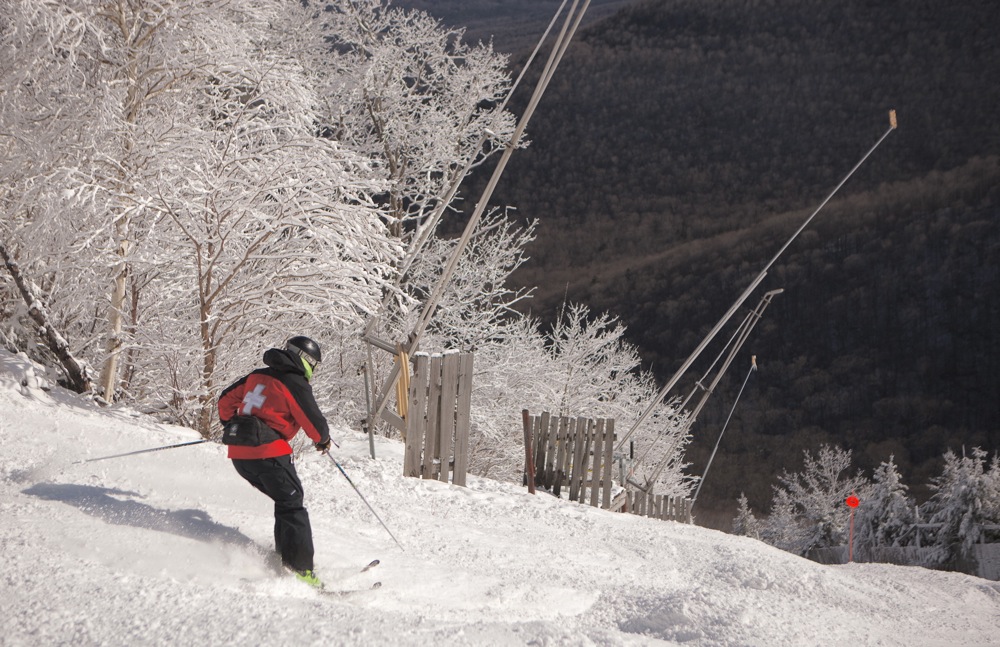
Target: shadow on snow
(118,507)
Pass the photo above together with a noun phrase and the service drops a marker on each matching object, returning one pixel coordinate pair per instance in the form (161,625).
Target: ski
(349,591)
(346,592)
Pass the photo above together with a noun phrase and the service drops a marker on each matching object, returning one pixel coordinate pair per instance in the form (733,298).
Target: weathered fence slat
(541,425)
(567,428)
(595,470)
(608,453)
(463,418)
(415,417)
(550,441)
(432,449)
(537,441)
(438,417)
(576,472)
(449,399)
(577,453)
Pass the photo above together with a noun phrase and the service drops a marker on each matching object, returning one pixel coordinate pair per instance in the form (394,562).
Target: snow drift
(173,548)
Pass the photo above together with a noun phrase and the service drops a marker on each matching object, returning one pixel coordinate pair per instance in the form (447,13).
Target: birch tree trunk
(77,374)
(109,372)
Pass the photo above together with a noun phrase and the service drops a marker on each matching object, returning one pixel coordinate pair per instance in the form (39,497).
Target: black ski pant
(276,478)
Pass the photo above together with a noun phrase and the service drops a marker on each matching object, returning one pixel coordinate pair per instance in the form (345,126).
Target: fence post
(529,461)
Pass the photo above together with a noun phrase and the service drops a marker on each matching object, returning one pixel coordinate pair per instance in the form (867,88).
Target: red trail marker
(852,503)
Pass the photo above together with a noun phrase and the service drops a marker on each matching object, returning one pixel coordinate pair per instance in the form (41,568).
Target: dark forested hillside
(682,142)
(513,25)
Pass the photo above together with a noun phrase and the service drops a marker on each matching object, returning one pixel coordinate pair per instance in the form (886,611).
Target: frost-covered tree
(273,227)
(966,497)
(816,498)
(582,367)
(174,154)
(885,516)
(745,524)
(783,528)
(186,182)
(53,134)
(478,305)
(594,372)
(476,314)
(410,93)
(407,93)
(98,80)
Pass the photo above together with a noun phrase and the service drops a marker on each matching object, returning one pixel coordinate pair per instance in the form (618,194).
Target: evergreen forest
(682,142)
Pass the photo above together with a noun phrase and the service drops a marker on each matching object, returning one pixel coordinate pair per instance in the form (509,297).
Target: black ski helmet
(306,349)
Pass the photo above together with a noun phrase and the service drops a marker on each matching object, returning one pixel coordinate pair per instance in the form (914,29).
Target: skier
(260,413)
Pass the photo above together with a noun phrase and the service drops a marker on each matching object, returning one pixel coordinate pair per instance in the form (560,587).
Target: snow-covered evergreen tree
(885,516)
(783,527)
(966,497)
(745,524)
(815,498)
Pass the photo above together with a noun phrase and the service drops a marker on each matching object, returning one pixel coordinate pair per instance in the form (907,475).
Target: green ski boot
(309,577)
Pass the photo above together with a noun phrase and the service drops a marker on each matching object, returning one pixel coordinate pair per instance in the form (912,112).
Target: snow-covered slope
(173,548)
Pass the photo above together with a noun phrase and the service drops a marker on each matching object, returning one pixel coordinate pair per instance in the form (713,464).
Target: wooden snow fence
(659,506)
(574,453)
(437,417)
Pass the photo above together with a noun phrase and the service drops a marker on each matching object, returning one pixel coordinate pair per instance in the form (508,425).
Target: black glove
(323,446)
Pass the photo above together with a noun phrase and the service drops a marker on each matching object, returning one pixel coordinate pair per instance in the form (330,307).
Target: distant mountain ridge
(681,142)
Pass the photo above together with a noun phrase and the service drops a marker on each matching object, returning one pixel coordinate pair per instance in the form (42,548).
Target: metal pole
(753,367)
(748,326)
(680,372)
(690,360)
(432,302)
(142,451)
(369,422)
(424,232)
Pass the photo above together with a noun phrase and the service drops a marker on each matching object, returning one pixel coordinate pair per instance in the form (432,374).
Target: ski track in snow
(173,548)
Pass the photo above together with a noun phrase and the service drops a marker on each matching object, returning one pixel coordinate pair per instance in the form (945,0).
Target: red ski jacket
(281,397)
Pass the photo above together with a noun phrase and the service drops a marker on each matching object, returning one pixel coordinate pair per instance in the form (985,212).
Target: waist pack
(248,431)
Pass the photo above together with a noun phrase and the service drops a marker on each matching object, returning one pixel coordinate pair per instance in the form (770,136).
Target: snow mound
(172,548)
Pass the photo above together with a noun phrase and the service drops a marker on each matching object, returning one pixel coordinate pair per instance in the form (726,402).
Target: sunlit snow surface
(173,548)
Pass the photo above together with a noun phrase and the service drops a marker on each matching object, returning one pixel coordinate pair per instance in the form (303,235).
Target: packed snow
(173,548)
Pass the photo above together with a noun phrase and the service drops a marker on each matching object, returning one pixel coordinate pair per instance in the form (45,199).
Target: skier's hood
(284,361)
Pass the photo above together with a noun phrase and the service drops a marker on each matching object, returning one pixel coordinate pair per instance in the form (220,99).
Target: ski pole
(364,499)
(142,451)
